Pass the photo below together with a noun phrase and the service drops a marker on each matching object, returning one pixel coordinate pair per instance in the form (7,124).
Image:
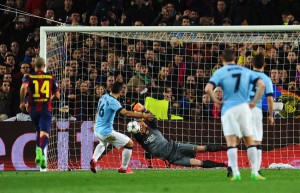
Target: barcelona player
(42,88)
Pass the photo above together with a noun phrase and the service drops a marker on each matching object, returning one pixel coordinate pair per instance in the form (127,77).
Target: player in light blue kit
(236,111)
(258,66)
(108,106)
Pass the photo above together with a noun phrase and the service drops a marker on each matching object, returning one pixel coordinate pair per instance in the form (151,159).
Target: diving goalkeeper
(177,153)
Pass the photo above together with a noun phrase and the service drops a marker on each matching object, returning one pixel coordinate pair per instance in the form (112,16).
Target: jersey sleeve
(25,79)
(253,77)
(269,88)
(153,123)
(215,79)
(116,106)
(55,85)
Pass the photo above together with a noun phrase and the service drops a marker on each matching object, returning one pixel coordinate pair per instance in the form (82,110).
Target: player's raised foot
(43,162)
(93,165)
(235,178)
(128,171)
(38,156)
(229,172)
(257,177)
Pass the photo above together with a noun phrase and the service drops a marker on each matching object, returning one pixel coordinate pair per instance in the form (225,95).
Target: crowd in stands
(173,70)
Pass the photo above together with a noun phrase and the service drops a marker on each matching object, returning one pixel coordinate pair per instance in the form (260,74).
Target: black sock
(211,164)
(214,148)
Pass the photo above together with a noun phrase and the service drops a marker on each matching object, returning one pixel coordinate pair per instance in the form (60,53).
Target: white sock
(259,158)
(126,155)
(98,151)
(233,160)
(252,156)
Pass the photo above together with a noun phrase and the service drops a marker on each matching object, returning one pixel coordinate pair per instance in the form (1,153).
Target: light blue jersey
(107,108)
(268,91)
(235,82)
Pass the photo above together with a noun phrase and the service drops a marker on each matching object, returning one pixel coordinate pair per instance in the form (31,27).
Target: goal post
(178,62)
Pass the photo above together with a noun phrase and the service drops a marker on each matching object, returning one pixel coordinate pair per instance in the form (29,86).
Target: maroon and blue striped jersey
(41,87)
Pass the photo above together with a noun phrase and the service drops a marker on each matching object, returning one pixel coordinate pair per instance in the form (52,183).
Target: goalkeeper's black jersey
(154,142)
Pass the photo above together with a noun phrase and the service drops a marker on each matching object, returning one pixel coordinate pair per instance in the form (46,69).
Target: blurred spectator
(104,21)
(33,39)
(141,80)
(17,78)
(64,14)
(178,70)
(36,7)
(109,83)
(84,104)
(5,101)
(204,109)
(151,61)
(10,63)
(297,77)
(188,101)
(164,77)
(107,7)
(168,15)
(7,16)
(3,50)
(274,75)
(49,18)
(226,22)
(220,12)
(292,87)
(139,11)
(93,21)
(17,52)
(15,31)
(216,111)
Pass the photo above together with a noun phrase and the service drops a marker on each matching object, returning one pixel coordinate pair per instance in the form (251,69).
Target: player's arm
(138,107)
(56,96)
(56,92)
(260,91)
(270,107)
(126,113)
(23,92)
(209,90)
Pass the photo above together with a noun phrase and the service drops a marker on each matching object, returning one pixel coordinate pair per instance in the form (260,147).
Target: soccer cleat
(43,162)
(257,177)
(235,178)
(93,166)
(128,171)
(38,156)
(259,172)
(229,172)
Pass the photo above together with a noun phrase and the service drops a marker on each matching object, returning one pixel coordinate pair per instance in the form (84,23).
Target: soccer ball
(133,127)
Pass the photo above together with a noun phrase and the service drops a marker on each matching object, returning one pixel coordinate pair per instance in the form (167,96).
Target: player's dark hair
(117,87)
(39,62)
(228,55)
(258,60)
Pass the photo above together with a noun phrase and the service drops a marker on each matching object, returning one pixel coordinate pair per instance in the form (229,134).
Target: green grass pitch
(148,181)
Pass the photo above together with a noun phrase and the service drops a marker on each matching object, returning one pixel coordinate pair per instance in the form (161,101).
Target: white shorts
(237,121)
(115,138)
(257,124)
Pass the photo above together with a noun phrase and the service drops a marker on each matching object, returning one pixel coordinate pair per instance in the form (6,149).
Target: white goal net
(165,69)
